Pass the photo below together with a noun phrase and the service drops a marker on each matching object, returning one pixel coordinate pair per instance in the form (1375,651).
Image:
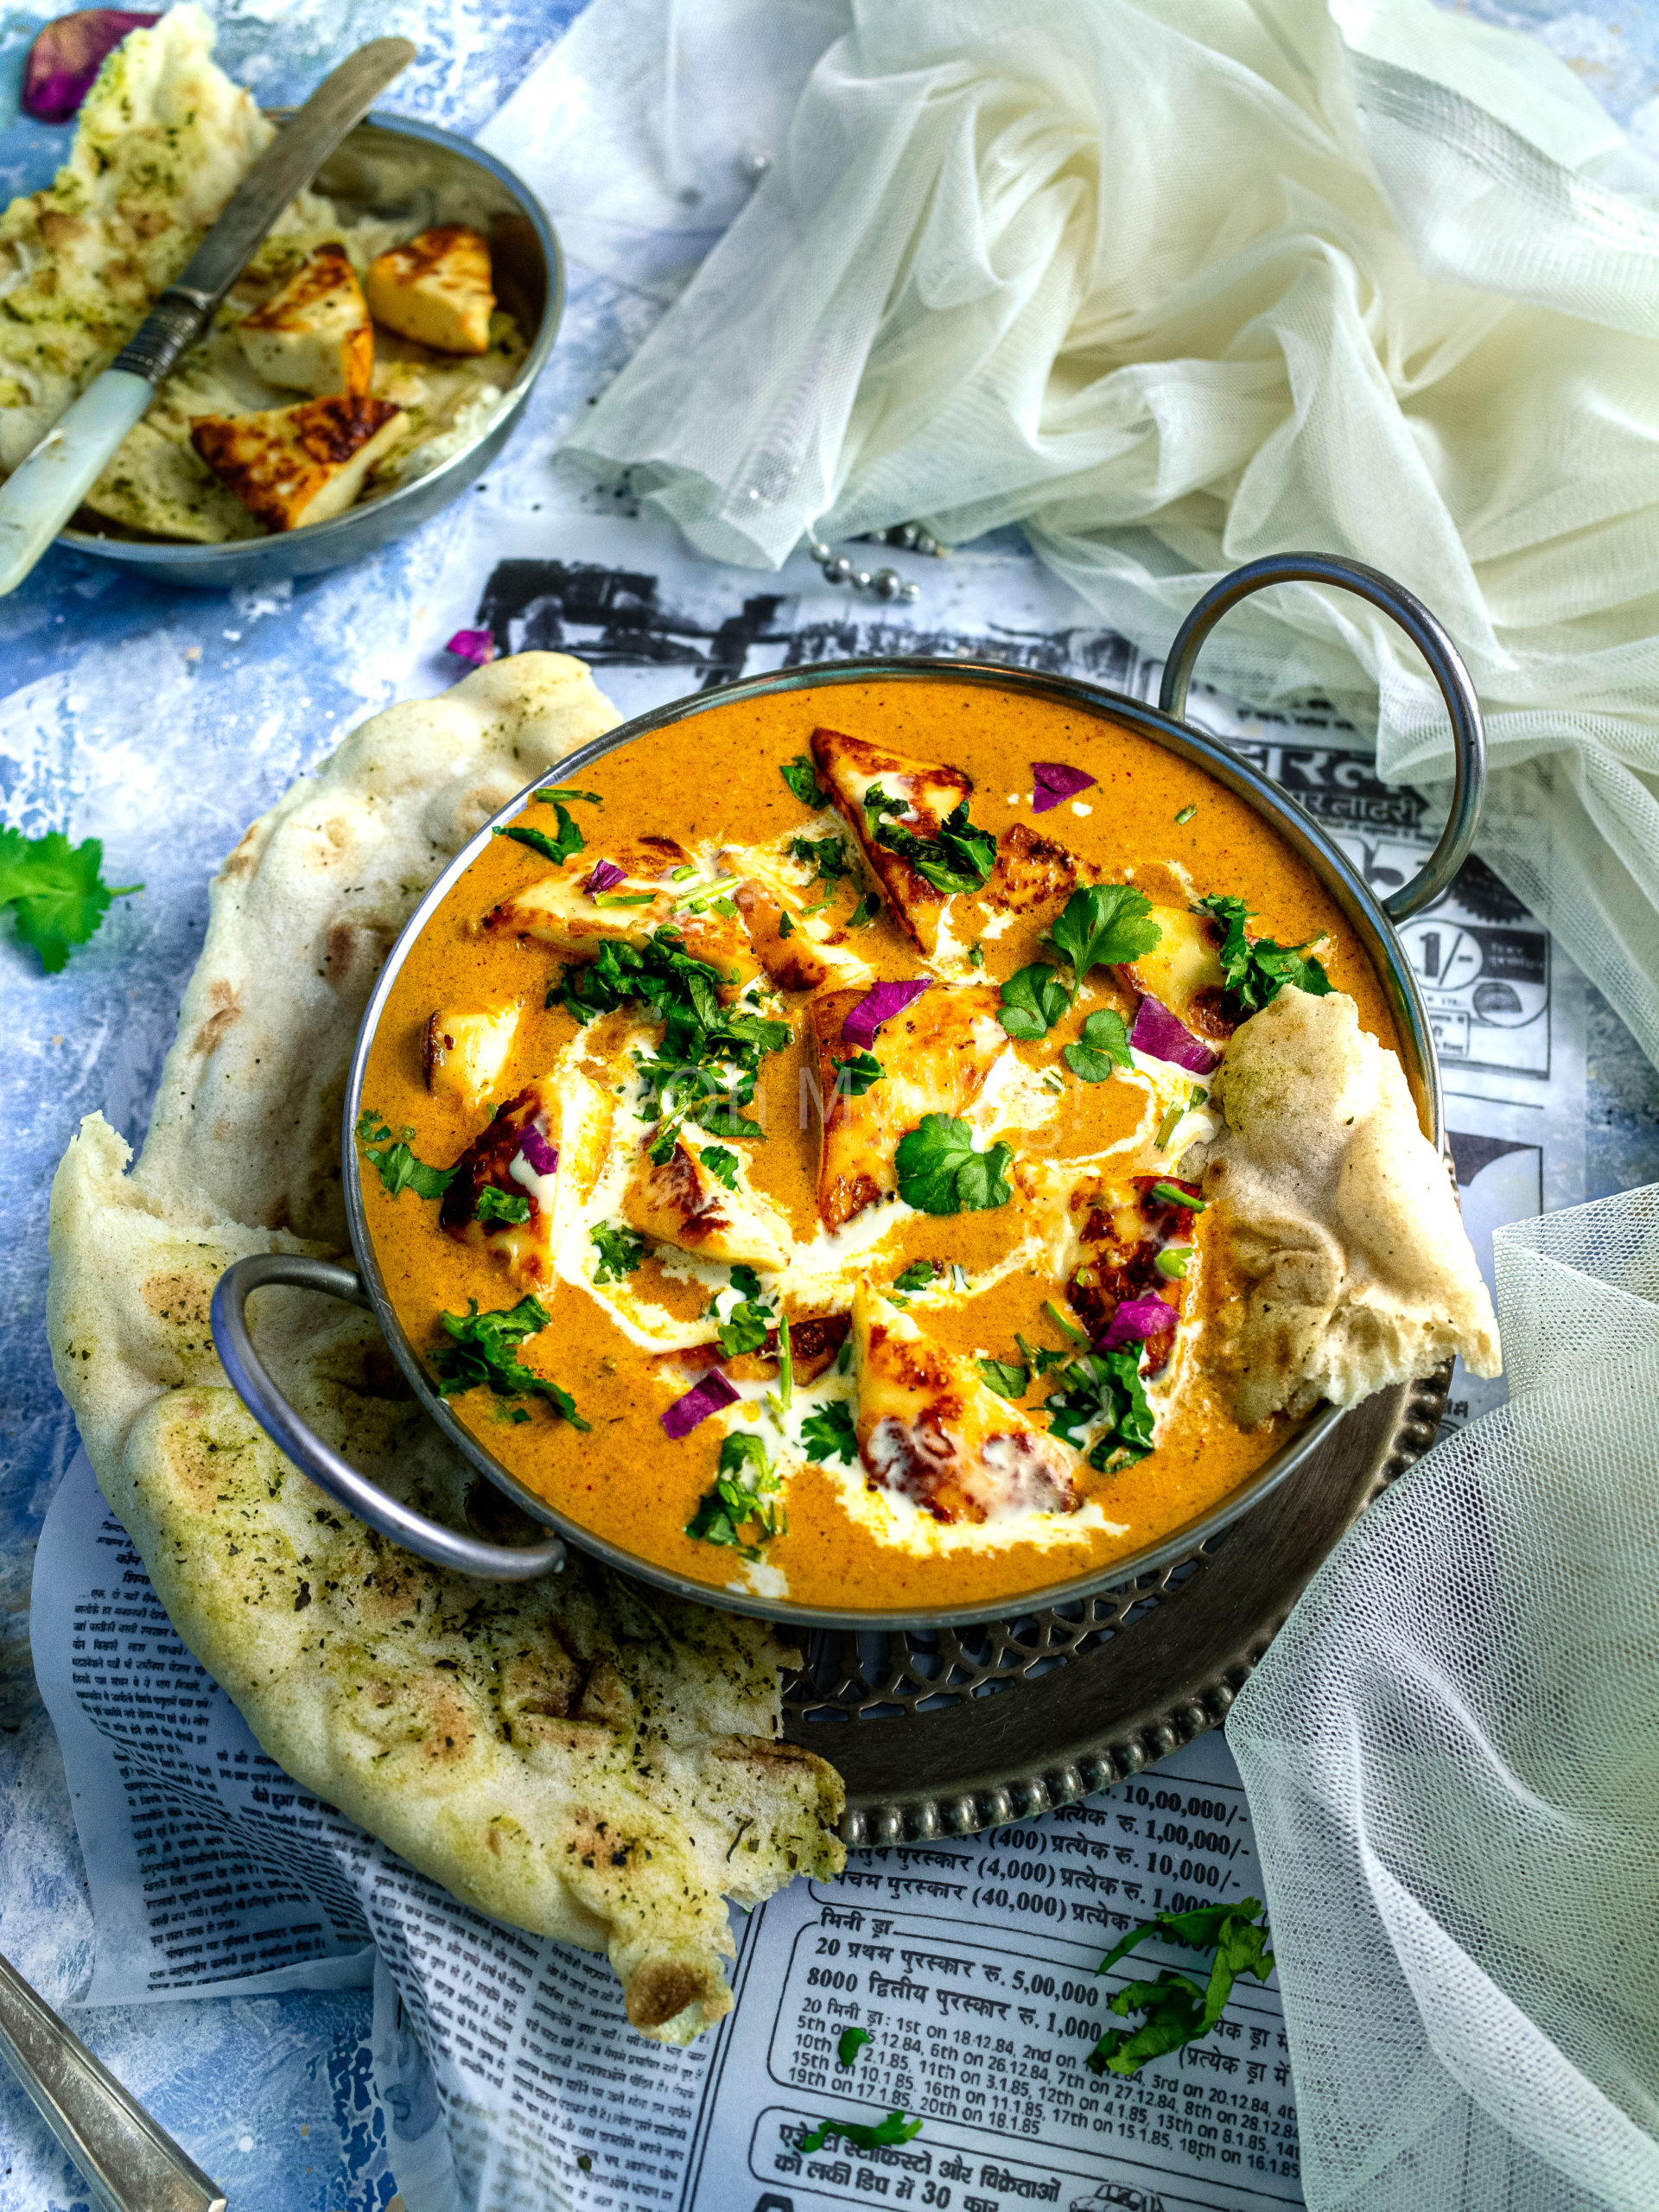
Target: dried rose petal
(1052,781)
(1135,1321)
(66,55)
(702,1399)
(879,1004)
(542,1157)
(606,877)
(475,645)
(1162,1035)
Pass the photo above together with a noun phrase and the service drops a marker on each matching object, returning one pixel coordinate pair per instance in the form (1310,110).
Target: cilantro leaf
(1101,925)
(803,779)
(1033,1001)
(895,2128)
(854,1076)
(940,1173)
(1008,1381)
(620,1252)
(501,1205)
(1177,2011)
(959,859)
(830,1433)
(1255,969)
(398,1168)
(747,1494)
(558,849)
(745,1281)
(919,1275)
(825,856)
(867,910)
(721,1164)
(1104,1045)
(1103,1390)
(853,2040)
(483,1354)
(53,889)
(1174,2012)
(1038,1357)
(745,1329)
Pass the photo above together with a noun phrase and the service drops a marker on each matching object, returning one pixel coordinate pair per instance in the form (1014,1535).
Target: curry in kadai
(803,1149)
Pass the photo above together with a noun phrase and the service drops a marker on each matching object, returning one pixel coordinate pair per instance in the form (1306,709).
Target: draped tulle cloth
(1453,1763)
(1176,282)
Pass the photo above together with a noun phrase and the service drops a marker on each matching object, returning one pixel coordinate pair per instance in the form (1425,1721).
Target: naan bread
(1339,1214)
(573,1756)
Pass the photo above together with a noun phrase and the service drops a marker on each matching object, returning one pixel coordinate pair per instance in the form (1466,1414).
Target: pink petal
(1053,781)
(879,1004)
(1162,1035)
(702,1399)
(475,645)
(66,55)
(1136,1319)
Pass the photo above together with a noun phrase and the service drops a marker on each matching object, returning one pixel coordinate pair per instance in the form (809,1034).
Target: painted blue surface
(164,721)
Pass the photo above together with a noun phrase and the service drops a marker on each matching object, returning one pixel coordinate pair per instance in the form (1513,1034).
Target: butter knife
(128,2163)
(41,493)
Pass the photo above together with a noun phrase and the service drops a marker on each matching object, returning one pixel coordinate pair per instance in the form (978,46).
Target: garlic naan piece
(1340,1215)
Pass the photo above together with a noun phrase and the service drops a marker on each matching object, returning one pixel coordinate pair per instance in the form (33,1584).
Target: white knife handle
(42,493)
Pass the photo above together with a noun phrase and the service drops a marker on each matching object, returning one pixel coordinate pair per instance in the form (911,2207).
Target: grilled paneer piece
(560,910)
(540,1156)
(464,1050)
(314,335)
(1122,1229)
(815,1342)
(935,1058)
(1033,873)
(855,773)
(290,466)
(799,951)
(930,1429)
(1184,972)
(436,290)
(679,1202)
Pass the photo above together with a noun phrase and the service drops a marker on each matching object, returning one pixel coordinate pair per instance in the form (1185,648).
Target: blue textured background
(163,722)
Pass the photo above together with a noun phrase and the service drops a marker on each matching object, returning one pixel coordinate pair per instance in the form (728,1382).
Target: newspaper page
(503,2064)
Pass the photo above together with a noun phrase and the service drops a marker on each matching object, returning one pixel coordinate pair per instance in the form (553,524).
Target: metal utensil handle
(253,1385)
(128,2163)
(1468,738)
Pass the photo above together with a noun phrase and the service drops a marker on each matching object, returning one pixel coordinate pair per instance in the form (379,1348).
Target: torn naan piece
(1338,1216)
(568,1755)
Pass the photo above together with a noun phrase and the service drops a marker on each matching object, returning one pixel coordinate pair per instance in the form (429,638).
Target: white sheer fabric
(1453,1768)
(1177,282)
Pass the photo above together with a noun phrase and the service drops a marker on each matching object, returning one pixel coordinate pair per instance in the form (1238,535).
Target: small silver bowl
(390,165)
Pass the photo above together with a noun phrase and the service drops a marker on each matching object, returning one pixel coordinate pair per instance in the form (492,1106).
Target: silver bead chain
(886,583)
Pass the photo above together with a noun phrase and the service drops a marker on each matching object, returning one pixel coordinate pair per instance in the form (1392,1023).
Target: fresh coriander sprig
(398,1168)
(1033,999)
(747,1494)
(1102,925)
(1102,1047)
(56,896)
(940,1173)
(1175,2011)
(483,1354)
(1255,969)
(960,859)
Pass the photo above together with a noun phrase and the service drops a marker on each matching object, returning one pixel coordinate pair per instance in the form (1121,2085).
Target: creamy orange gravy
(715,781)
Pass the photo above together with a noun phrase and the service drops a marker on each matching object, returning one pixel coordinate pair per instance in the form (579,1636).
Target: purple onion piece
(1052,781)
(1162,1035)
(475,645)
(542,1157)
(606,877)
(702,1399)
(1135,1321)
(66,55)
(879,1004)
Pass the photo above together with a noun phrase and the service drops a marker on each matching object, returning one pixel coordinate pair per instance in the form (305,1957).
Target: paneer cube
(291,466)
(314,335)
(679,1202)
(930,1430)
(436,290)
(465,1049)
(851,769)
(1183,971)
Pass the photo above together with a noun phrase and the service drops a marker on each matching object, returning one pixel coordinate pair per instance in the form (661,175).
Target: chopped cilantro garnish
(745,1328)
(830,1433)
(1103,1390)
(745,1281)
(483,1354)
(854,1076)
(1186,815)
(959,859)
(1255,969)
(1033,1001)
(975,956)
(501,1205)
(1104,1045)
(1040,1357)
(803,779)
(1175,2011)
(53,890)
(940,1173)
(919,1275)
(620,1252)
(721,1164)
(785,927)
(1100,926)
(397,1165)
(825,856)
(1007,1380)
(865,913)
(747,1494)
(785,1365)
(564,847)
(853,2040)
(895,2128)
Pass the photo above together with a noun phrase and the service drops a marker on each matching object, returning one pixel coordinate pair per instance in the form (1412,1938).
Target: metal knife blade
(287,165)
